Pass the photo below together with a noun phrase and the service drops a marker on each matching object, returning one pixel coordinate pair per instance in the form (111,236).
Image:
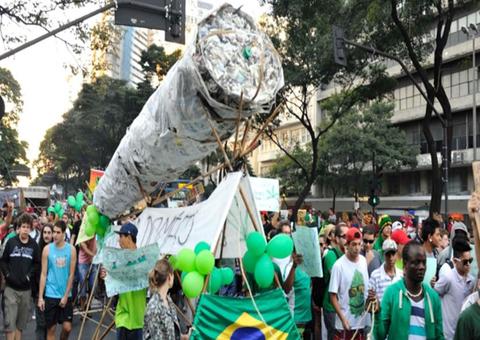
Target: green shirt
(330,258)
(468,326)
(303,297)
(131,309)
(393,320)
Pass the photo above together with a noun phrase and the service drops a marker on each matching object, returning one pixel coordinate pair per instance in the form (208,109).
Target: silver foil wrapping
(229,56)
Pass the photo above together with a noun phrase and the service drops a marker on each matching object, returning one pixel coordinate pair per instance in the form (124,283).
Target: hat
(389,246)
(384,220)
(397,225)
(400,237)
(128,229)
(353,234)
(460,226)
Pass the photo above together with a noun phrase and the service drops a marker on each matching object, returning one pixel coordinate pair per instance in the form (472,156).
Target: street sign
(166,15)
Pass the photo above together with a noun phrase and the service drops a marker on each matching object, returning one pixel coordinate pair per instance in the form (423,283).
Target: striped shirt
(380,280)
(416,330)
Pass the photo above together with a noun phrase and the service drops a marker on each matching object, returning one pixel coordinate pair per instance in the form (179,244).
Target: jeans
(82,272)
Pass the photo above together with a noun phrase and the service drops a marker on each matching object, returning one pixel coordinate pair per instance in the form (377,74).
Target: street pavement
(88,331)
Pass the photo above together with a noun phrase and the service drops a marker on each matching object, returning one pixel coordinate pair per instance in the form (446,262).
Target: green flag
(221,317)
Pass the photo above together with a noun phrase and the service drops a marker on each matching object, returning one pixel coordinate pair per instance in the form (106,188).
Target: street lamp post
(472,31)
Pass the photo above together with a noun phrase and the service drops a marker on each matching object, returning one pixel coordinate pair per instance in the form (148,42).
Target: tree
(18,15)
(12,150)
(403,29)
(348,149)
(91,131)
(156,63)
(301,32)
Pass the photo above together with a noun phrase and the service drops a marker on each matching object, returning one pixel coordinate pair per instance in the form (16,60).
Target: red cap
(400,237)
(353,234)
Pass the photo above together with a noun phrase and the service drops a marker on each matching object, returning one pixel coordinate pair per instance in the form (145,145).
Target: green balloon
(78,206)
(57,207)
(60,213)
(249,262)
(104,221)
(192,284)
(281,246)
(79,196)
(227,276)
(50,210)
(256,243)
(100,230)
(201,246)
(71,201)
(215,281)
(186,260)
(264,272)
(183,276)
(204,262)
(92,215)
(89,229)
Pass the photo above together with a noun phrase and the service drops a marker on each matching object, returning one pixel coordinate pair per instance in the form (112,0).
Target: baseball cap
(389,246)
(397,225)
(400,237)
(460,226)
(128,229)
(353,234)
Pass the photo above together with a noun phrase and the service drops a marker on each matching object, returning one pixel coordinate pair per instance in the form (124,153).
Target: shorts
(55,314)
(16,308)
(129,334)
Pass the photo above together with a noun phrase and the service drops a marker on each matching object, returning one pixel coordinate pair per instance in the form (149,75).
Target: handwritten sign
(127,270)
(266,192)
(307,244)
(176,228)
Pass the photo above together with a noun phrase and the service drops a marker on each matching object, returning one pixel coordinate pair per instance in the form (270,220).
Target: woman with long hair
(161,321)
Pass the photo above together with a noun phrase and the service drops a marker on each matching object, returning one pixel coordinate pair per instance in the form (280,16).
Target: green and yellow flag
(221,317)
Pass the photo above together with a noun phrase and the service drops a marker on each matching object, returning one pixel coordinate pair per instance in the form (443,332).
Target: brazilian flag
(222,317)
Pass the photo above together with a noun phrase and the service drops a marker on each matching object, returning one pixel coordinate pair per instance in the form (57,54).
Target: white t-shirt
(349,280)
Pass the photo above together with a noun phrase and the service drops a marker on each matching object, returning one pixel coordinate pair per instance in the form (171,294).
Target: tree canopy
(12,149)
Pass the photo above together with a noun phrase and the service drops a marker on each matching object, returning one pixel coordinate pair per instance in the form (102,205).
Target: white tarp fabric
(176,228)
(229,57)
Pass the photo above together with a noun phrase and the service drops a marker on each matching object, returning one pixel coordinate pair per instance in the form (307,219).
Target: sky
(49,87)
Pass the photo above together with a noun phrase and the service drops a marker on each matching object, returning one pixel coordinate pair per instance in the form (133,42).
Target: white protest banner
(127,270)
(176,228)
(307,244)
(266,192)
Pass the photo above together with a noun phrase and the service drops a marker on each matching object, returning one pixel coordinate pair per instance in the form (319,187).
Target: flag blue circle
(247,333)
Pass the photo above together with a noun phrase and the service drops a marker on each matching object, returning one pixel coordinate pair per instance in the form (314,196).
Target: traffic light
(339,52)
(166,15)
(373,200)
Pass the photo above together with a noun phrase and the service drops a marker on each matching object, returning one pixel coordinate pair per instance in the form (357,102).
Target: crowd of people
(393,278)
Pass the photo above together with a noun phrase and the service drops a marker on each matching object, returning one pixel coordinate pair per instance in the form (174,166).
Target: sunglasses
(368,241)
(465,261)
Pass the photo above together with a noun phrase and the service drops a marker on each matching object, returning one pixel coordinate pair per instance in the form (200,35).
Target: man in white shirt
(348,288)
(454,286)
(386,274)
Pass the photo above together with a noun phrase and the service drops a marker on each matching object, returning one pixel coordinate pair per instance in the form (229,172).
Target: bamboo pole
(220,145)
(100,323)
(90,298)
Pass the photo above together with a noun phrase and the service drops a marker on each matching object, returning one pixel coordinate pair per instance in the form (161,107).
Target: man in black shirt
(19,263)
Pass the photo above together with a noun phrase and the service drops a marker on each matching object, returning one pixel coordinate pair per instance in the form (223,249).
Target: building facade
(410,188)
